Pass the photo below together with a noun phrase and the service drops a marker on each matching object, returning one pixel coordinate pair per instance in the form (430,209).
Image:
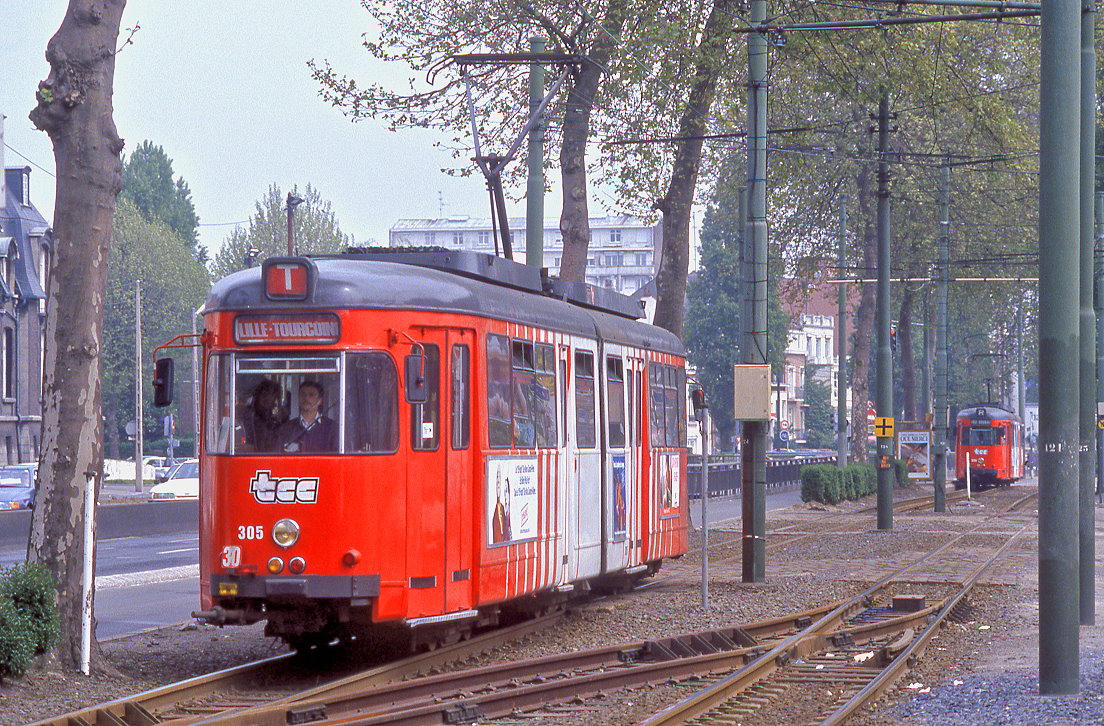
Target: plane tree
(74,109)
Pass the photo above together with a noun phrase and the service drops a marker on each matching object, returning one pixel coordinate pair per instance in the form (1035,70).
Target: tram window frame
(385,396)
(615,402)
(499,411)
(544,361)
(680,392)
(523,377)
(671,405)
(586,434)
(460,369)
(218,407)
(428,412)
(290,372)
(657,417)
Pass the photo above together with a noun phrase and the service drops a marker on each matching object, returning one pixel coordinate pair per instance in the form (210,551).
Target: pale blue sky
(224,88)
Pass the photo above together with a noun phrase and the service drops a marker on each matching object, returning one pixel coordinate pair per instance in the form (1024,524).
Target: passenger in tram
(262,419)
(311,431)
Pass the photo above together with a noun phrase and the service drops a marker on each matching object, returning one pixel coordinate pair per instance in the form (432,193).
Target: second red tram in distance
(990,440)
(422,441)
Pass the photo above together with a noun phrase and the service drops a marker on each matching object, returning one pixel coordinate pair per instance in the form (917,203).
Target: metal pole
(1098,274)
(1059,437)
(705,425)
(941,417)
(884,401)
(534,190)
(841,341)
(290,227)
(1021,386)
(1087,509)
(754,508)
(139,470)
(88,565)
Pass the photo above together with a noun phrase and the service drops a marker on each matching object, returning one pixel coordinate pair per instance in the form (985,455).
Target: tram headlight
(285,532)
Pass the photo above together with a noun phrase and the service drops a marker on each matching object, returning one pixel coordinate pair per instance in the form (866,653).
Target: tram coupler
(220,616)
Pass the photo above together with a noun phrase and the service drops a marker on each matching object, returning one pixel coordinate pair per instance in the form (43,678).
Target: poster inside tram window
(511,500)
(914,447)
(620,506)
(669,484)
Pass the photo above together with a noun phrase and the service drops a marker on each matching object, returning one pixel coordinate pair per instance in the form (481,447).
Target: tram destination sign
(268,329)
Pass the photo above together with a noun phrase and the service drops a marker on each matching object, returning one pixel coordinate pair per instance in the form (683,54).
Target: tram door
(585,455)
(439,476)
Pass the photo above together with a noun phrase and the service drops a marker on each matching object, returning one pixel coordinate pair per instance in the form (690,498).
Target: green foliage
(714,296)
(28,616)
(148,183)
(174,285)
(819,421)
(830,484)
(900,473)
(316,231)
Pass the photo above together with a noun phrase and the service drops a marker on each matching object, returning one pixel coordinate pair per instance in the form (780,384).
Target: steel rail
(352,694)
(896,668)
(139,709)
(798,645)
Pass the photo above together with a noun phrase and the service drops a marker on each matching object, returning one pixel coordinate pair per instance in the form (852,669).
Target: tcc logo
(267,490)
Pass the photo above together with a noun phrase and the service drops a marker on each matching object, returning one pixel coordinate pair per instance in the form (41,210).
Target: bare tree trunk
(676,203)
(575,215)
(864,326)
(74,108)
(908,361)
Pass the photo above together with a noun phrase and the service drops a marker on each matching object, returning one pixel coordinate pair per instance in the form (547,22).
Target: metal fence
(724,472)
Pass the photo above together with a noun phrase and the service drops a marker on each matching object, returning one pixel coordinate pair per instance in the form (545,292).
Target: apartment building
(622,256)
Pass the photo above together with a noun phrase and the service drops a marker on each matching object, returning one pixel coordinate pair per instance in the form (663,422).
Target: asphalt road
(147,563)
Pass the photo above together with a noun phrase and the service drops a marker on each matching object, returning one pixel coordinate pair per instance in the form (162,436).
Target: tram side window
(524,383)
(461,400)
(615,377)
(219,408)
(584,400)
(671,405)
(371,404)
(544,397)
(288,404)
(499,418)
(657,418)
(680,389)
(425,418)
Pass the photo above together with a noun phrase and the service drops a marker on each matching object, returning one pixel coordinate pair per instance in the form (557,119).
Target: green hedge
(28,616)
(830,484)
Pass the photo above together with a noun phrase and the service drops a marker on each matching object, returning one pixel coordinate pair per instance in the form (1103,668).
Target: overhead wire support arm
(883,22)
(492,165)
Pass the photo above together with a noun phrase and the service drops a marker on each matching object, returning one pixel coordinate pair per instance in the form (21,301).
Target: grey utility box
(752,393)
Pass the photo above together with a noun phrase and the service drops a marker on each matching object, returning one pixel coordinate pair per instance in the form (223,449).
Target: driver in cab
(311,431)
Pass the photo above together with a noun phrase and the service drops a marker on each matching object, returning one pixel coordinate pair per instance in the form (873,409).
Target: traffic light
(893,337)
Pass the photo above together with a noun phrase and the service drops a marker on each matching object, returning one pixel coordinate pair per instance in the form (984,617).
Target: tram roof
(352,282)
(988,410)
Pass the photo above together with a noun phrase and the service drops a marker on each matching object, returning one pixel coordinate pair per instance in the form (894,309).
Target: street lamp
(292,202)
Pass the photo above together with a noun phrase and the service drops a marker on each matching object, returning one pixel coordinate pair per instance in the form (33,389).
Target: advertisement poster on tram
(669,484)
(511,500)
(914,447)
(620,507)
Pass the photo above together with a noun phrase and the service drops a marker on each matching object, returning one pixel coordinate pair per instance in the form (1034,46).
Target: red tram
(420,441)
(992,440)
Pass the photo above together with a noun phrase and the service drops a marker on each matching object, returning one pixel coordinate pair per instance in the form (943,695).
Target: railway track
(509,690)
(235,688)
(856,647)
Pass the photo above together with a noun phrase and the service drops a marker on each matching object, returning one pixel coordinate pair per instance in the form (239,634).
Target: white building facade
(622,256)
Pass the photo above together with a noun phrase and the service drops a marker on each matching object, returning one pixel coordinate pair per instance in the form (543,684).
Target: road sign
(883,426)
(785,424)
(1100,422)
(783,435)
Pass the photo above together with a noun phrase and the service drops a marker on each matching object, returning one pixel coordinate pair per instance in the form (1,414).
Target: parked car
(17,486)
(181,483)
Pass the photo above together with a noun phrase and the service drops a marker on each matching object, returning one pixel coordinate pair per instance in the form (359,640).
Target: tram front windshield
(324,404)
(982,435)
